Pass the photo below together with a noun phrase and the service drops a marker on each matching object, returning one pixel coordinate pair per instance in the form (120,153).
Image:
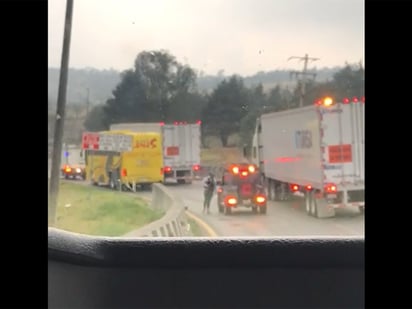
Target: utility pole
(60,113)
(304,74)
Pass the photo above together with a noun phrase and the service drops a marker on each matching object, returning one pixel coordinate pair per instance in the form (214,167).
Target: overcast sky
(237,36)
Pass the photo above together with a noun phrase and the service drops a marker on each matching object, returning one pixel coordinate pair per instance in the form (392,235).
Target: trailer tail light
(260,199)
(124,172)
(230,200)
(167,169)
(294,187)
(331,188)
(252,168)
(308,188)
(196,167)
(67,169)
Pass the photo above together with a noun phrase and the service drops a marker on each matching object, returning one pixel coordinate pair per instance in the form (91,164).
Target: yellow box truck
(123,160)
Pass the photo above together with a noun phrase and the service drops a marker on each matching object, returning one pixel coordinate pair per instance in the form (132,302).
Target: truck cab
(240,186)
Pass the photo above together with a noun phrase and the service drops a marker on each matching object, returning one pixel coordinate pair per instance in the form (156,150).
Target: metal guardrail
(173,224)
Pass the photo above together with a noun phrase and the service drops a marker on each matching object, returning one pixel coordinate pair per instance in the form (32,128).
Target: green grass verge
(98,211)
(195,229)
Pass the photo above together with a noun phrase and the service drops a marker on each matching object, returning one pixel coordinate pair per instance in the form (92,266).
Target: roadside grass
(100,212)
(195,229)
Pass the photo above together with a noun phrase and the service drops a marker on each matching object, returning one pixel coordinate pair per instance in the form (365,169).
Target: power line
(304,74)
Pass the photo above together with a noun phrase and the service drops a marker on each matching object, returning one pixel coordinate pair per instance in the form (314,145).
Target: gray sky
(238,36)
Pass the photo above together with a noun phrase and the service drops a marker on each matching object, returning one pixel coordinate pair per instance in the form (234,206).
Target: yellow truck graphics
(124,159)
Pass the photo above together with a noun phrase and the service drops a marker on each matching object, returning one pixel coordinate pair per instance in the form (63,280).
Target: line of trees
(159,88)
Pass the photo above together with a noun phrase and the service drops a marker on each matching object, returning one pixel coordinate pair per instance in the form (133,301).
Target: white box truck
(316,150)
(181,147)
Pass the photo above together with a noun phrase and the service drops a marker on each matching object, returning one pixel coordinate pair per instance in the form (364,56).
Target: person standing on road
(209,185)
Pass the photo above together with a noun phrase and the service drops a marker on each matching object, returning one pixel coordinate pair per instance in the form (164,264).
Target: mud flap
(322,209)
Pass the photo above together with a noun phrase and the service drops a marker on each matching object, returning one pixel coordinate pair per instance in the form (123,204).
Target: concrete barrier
(173,224)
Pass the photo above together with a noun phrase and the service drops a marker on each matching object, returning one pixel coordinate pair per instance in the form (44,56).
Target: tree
(96,120)
(227,105)
(150,91)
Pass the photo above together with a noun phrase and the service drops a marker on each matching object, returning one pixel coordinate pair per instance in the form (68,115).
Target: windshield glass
(157,107)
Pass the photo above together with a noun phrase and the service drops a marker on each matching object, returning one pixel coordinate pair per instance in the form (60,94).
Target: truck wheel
(308,202)
(219,206)
(263,210)
(227,210)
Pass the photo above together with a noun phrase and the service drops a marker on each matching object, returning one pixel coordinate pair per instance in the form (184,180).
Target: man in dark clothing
(209,185)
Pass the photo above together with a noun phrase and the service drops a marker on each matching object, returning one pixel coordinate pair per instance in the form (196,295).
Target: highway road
(282,218)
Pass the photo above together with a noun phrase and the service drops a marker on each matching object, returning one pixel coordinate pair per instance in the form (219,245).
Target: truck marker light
(355,100)
(196,167)
(345,101)
(199,122)
(124,172)
(235,170)
(328,101)
(308,188)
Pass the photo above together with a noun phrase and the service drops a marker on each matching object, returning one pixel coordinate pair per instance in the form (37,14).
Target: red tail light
(196,167)
(235,170)
(308,188)
(68,169)
(219,190)
(199,122)
(260,199)
(331,188)
(230,200)
(124,172)
(167,169)
(252,168)
(294,187)
(244,173)
(355,100)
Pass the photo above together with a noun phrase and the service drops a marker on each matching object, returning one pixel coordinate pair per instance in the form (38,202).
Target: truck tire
(308,202)
(219,206)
